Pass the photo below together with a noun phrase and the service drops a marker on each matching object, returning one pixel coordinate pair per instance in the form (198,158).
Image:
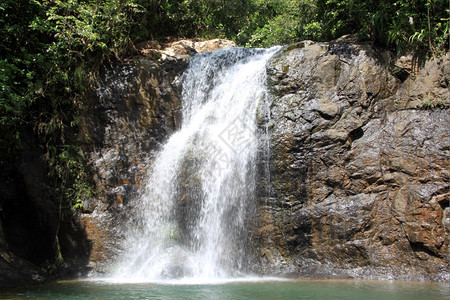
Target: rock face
(135,108)
(359,181)
(356,181)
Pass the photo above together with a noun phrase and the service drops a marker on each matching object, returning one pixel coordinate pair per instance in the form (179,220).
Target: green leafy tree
(50,55)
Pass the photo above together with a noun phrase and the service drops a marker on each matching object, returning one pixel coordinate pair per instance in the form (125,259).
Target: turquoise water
(336,289)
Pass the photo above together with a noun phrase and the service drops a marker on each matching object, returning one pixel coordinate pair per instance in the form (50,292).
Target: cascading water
(193,216)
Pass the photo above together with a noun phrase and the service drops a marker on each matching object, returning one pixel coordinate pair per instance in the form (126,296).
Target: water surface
(307,289)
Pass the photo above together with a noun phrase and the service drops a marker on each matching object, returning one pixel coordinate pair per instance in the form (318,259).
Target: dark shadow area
(32,225)
(356,134)
(25,227)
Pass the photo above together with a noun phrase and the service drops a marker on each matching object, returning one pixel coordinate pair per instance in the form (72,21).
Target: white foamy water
(193,215)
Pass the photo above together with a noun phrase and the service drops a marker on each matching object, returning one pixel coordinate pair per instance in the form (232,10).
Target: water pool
(250,289)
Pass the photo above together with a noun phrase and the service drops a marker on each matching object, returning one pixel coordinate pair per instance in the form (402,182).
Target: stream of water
(192,218)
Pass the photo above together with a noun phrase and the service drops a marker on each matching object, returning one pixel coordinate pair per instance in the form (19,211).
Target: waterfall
(192,219)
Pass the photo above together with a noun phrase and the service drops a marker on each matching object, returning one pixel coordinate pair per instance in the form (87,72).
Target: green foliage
(280,30)
(403,25)
(67,164)
(211,18)
(49,57)
(284,23)
(18,63)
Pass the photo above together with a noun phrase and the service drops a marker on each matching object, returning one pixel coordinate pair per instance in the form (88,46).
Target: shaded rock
(15,270)
(429,88)
(33,233)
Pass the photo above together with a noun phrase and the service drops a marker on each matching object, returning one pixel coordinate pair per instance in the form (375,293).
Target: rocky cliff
(354,183)
(359,170)
(356,180)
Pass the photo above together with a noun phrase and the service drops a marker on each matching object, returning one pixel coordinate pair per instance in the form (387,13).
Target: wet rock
(136,106)
(357,185)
